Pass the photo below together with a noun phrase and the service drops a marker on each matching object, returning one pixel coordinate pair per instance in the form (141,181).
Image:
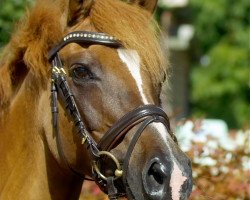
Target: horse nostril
(156,176)
(157,173)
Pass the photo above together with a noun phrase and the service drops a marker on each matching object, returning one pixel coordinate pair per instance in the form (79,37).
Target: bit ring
(118,172)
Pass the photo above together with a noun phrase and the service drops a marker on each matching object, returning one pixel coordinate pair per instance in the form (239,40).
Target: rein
(115,185)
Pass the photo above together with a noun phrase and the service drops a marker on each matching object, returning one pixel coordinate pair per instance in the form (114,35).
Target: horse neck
(28,169)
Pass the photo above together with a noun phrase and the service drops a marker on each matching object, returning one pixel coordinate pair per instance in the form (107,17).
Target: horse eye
(81,73)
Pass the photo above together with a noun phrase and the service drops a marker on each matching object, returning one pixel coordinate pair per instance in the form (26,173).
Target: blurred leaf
(10,12)
(221,88)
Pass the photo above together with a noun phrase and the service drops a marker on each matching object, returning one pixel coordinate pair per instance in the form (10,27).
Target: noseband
(99,153)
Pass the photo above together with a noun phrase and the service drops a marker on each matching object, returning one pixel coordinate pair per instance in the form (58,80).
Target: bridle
(115,185)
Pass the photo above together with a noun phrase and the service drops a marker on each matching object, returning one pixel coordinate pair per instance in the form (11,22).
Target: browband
(85,37)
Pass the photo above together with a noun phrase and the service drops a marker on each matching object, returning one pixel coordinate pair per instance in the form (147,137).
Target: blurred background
(208,44)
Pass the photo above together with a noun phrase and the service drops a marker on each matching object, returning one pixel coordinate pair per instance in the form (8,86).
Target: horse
(80,85)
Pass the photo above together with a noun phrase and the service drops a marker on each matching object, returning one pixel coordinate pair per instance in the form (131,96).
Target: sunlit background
(208,43)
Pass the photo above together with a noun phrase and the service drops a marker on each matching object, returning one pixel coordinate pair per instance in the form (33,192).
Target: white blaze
(132,61)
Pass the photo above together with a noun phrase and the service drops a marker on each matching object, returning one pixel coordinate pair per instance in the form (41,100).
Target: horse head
(106,68)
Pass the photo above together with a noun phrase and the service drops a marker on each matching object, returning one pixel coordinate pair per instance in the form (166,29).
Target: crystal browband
(89,35)
(85,37)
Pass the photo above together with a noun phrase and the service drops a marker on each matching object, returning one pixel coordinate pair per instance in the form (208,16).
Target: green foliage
(10,12)
(220,86)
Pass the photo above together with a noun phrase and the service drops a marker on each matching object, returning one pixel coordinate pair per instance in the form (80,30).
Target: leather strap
(130,150)
(116,133)
(84,37)
(112,191)
(61,85)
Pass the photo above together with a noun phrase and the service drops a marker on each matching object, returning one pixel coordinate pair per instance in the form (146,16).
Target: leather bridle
(115,185)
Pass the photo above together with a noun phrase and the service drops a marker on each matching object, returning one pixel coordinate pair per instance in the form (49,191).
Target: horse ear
(78,9)
(149,5)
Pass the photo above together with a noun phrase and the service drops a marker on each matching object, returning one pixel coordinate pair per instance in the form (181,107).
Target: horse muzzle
(155,174)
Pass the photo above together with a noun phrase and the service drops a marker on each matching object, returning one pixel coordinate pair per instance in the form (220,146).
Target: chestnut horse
(101,59)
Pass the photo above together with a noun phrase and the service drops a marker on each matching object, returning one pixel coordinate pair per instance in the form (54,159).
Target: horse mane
(45,24)
(35,34)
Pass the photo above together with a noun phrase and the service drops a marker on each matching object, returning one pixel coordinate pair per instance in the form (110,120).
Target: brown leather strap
(116,133)
(112,191)
(86,38)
